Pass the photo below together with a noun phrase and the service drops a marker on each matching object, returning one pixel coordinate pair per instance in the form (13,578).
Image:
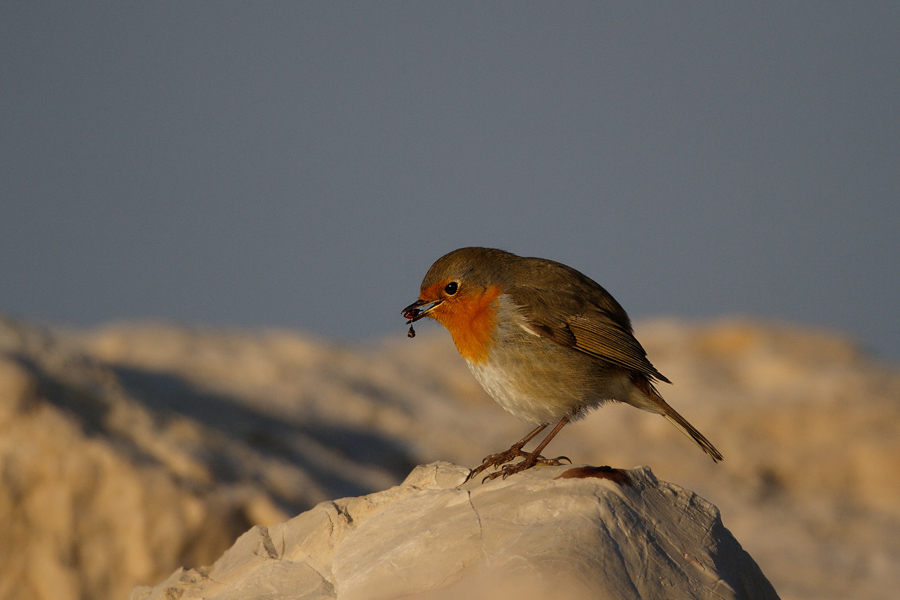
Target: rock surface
(85,510)
(577,532)
(131,450)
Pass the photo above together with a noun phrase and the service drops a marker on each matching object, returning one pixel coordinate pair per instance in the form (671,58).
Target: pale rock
(594,533)
(130,450)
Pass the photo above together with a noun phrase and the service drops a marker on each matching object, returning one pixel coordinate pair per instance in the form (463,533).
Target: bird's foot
(495,460)
(530,461)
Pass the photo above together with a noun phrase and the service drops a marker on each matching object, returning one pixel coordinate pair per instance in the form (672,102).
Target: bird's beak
(419,309)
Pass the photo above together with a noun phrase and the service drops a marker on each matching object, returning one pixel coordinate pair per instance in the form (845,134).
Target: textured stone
(128,451)
(619,534)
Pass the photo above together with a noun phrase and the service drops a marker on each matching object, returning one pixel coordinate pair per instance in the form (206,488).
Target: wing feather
(600,336)
(574,311)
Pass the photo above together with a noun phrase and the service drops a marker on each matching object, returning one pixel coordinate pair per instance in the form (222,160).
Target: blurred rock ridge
(133,451)
(561,532)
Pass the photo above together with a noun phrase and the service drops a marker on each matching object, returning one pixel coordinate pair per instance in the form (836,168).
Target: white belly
(506,393)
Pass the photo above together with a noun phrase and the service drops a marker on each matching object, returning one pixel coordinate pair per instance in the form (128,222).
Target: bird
(545,341)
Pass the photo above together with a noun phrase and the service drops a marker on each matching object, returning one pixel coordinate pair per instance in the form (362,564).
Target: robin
(545,341)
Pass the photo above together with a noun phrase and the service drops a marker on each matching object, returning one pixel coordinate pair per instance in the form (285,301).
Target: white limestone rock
(570,532)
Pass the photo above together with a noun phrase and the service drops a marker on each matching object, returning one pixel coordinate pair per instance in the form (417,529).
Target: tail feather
(650,399)
(689,430)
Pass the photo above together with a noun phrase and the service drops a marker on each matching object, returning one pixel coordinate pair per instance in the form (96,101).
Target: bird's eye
(451,288)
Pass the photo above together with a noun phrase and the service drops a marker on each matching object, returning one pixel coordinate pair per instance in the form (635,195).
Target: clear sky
(302,164)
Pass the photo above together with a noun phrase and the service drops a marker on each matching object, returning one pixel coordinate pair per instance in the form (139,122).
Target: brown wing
(572,310)
(599,335)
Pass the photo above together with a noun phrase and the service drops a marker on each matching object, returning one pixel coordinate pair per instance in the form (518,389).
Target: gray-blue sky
(302,164)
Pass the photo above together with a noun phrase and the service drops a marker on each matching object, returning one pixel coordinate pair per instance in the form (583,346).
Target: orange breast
(470,320)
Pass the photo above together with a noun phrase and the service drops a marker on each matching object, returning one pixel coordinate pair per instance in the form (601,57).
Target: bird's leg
(504,457)
(534,458)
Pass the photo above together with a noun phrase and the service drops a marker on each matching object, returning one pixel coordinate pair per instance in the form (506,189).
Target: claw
(530,459)
(495,460)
